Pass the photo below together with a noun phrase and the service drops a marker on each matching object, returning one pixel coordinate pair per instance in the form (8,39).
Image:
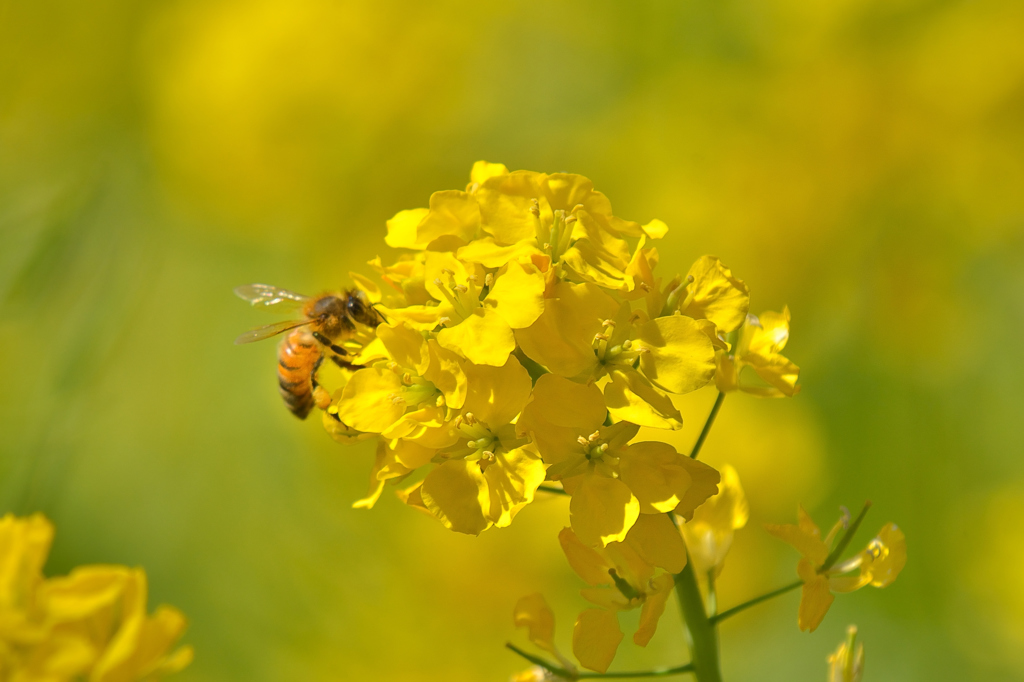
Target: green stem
(701,630)
(755,601)
(551,489)
(575,675)
(707,425)
(844,541)
(712,596)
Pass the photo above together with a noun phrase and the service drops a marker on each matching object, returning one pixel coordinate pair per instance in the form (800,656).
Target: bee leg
(320,395)
(345,364)
(327,342)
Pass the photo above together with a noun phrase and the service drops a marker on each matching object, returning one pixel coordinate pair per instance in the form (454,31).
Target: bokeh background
(859,160)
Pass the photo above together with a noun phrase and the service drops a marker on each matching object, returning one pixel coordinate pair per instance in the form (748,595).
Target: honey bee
(327,321)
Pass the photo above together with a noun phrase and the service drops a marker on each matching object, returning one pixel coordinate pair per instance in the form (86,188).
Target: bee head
(360,310)
(328,313)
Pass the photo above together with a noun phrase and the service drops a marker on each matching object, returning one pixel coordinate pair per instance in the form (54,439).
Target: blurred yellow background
(861,161)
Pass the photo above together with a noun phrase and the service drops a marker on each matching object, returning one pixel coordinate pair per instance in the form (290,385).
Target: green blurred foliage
(861,161)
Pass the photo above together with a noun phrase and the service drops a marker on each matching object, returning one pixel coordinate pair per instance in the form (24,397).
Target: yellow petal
(588,563)
(704,483)
(367,286)
(815,600)
(490,254)
(402,229)
(656,474)
(452,214)
(709,533)
(86,591)
(376,483)
(495,395)
(652,609)
(726,372)
(767,333)
(421,317)
(456,493)
(780,372)
(532,612)
(805,537)
(484,171)
(62,656)
(512,479)
(405,345)
(518,296)
(562,337)
(679,355)
(371,400)
(610,599)
(410,454)
(448,270)
(412,496)
(632,398)
(656,539)
(505,203)
(716,295)
(24,546)
(483,338)
(558,401)
(596,638)
(602,510)
(655,229)
(597,255)
(889,555)
(847,583)
(445,372)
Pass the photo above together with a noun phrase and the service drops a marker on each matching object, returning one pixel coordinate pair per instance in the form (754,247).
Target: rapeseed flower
(586,335)
(90,624)
(759,347)
(878,564)
(621,578)
(708,292)
(490,472)
(710,532)
(407,393)
(611,481)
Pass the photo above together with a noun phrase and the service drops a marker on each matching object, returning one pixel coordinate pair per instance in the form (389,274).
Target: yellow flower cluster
(89,625)
(527,338)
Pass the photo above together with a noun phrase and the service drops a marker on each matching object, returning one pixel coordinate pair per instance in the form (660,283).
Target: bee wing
(265,296)
(266,331)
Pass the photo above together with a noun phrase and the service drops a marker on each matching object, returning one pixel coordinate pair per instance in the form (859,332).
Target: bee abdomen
(296,358)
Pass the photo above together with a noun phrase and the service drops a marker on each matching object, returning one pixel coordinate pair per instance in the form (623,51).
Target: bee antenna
(382,315)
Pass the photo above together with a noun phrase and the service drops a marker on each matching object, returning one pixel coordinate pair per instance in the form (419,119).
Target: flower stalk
(755,601)
(707,425)
(703,638)
(574,675)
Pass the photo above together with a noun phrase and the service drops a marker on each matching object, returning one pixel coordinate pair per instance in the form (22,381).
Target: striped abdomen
(297,355)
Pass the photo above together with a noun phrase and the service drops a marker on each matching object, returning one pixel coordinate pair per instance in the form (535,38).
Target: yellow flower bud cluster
(527,338)
(91,624)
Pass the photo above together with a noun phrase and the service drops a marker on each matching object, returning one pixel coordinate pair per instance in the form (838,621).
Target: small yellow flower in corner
(91,624)
(847,663)
(878,564)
